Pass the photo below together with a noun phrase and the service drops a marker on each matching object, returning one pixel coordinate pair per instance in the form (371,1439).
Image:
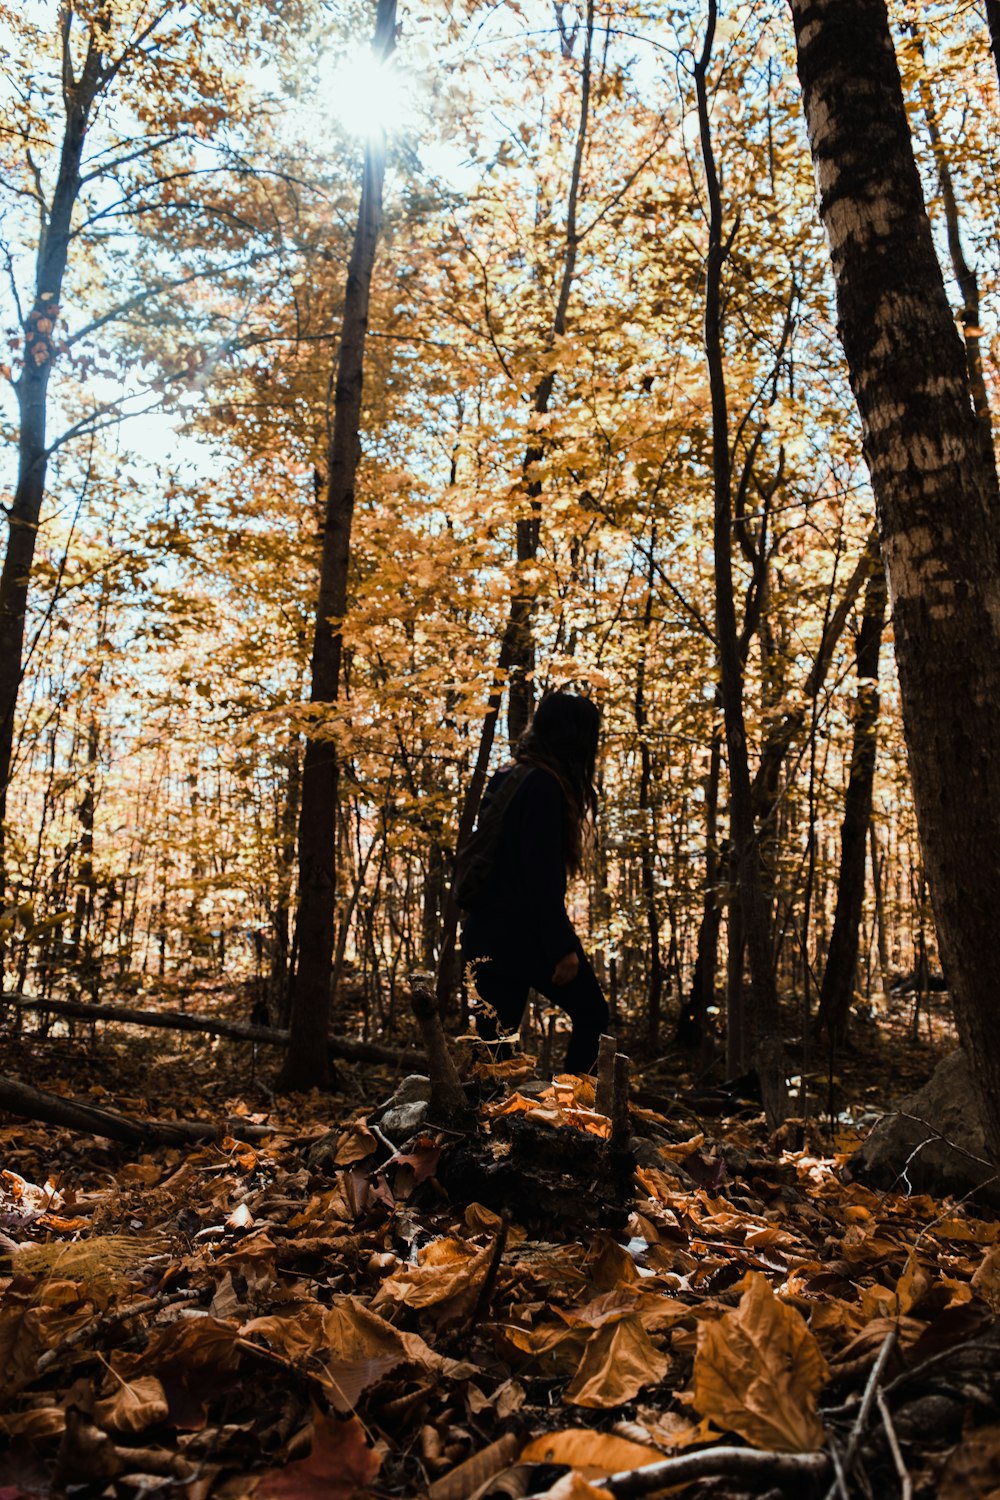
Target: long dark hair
(562,738)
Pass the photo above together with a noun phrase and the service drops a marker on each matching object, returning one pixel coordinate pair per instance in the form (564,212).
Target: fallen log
(90,1119)
(241,1031)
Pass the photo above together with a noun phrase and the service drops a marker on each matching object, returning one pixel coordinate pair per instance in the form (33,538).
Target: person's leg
(502,996)
(583,1001)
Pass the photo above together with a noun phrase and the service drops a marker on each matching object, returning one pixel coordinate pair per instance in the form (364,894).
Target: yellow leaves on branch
(758,1371)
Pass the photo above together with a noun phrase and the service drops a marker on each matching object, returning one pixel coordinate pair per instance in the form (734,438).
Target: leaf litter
(310,1313)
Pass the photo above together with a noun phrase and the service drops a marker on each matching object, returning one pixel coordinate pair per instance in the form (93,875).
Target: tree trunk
(965,275)
(766,1047)
(31,388)
(842,959)
(691,1021)
(935,486)
(520,630)
(993,21)
(647,851)
(445,981)
(306,1064)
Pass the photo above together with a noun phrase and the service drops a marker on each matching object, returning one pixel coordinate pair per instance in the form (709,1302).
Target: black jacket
(523,911)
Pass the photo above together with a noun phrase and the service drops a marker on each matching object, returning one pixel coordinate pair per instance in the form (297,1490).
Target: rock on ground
(933,1140)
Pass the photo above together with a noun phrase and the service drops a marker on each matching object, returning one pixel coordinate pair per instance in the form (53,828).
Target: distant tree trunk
(691,1021)
(842,958)
(31,388)
(766,1050)
(306,1064)
(965,275)
(647,851)
(520,629)
(445,982)
(284,893)
(993,21)
(935,487)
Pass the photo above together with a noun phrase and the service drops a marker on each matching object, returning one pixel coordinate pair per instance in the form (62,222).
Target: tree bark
(842,959)
(306,1065)
(766,1046)
(935,486)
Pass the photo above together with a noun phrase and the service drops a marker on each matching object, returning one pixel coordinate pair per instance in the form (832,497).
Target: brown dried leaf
(618,1361)
(134,1406)
(476,1471)
(973,1470)
(339,1466)
(354,1144)
(986,1279)
(361,1348)
(758,1371)
(449,1272)
(591,1453)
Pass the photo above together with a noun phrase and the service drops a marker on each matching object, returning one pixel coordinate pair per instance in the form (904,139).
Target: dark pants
(503,983)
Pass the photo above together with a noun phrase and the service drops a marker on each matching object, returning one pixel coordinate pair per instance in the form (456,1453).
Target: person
(519,936)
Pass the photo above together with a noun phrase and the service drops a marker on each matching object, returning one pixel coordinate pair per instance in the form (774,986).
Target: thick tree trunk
(766,1049)
(935,486)
(32,387)
(842,959)
(306,1063)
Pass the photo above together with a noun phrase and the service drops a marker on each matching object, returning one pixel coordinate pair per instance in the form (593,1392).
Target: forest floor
(306,1312)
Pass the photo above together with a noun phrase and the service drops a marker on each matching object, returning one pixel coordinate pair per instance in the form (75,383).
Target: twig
(897,1457)
(793,1469)
(861,1420)
(838,1468)
(489,1282)
(111,1320)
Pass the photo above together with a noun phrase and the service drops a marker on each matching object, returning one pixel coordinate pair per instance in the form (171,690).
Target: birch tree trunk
(306,1064)
(935,487)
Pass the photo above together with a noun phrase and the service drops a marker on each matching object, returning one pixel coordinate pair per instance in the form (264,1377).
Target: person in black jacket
(519,936)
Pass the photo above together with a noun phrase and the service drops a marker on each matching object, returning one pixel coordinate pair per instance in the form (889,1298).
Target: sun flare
(366,95)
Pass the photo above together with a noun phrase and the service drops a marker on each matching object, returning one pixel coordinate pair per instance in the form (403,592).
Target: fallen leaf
(339,1466)
(619,1359)
(973,1469)
(758,1371)
(592,1453)
(449,1278)
(986,1279)
(470,1476)
(134,1406)
(360,1348)
(354,1144)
